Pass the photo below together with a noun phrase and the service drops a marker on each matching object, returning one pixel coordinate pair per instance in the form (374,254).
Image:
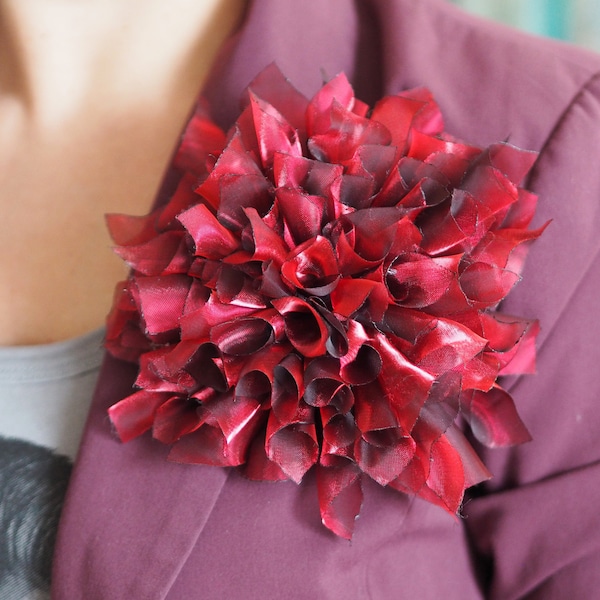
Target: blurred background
(575,21)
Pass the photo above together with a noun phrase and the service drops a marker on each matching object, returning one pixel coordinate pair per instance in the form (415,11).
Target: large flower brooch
(320,292)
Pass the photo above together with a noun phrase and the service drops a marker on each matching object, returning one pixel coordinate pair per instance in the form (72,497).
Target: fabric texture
(136,526)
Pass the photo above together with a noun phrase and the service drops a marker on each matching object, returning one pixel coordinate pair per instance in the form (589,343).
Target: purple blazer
(136,527)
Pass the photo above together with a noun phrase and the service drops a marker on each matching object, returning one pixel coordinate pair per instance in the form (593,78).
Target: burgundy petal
(134,415)
(340,496)
(493,418)
(304,327)
(294,448)
(312,267)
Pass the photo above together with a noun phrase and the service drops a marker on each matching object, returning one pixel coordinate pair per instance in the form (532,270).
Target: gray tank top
(45,394)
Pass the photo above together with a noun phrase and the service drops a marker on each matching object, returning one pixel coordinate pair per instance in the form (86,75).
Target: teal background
(575,21)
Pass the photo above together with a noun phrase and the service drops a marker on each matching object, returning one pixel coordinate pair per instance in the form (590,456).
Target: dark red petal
(161,301)
(324,386)
(448,345)
(273,132)
(241,192)
(242,336)
(294,448)
(238,419)
(397,115)
(350,295)
(134,415)
(514,162)
(503,331)
(492,188)
(417,281)
(474,470)
(442,234)
(384,463)
(340,495)
(288,388)
(376,230)
(481,372)
(439,489)
(372,161)
(196,324)
(164,254)
(183,197)
(205,446)
(318,111)
(312,267)
(493,418)
(256,379)
(304,215)
(271,285)
(446,476)
(522,359)
(424,147)
(403,384)
(407,323)
(175,418)
(339,433)
(156,375)
(346,134)
(305,328)
(268,245)
(273,87)
(125,336)
(357,192)
(131,230)
(312,177)
(234,160)
(211,239)
(374,416)
(522,211)
(337,342)
(413,477)
(429,118)
(206,367)
(350,262)
(235,287)
(365,368)
(258,466)
(201,139)
(236,183)
(486,284)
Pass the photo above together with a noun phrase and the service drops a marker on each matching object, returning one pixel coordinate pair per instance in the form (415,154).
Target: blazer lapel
(131,518)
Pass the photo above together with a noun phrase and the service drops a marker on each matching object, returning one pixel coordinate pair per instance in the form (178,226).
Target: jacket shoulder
(493,82)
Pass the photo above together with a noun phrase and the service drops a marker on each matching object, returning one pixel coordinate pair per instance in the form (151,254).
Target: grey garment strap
(46,391)
(50,362)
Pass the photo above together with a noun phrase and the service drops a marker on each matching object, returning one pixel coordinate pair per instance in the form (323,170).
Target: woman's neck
(60,55)
(93,97)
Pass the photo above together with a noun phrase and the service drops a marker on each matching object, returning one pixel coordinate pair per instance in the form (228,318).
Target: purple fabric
(137,527)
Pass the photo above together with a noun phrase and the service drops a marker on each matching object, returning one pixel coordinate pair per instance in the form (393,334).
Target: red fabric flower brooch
(320,292)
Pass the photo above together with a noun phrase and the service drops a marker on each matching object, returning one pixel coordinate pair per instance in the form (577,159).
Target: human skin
(93,96)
